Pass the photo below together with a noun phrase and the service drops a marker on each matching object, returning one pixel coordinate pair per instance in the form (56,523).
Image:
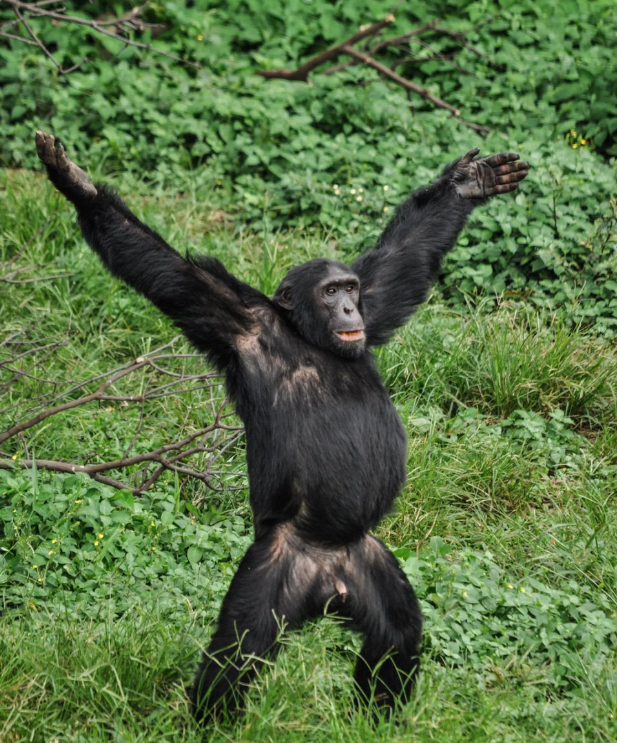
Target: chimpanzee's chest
(322,432)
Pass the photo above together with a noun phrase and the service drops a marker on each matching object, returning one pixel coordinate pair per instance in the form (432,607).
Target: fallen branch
(9,278)
(211,440)
(302,73)
(394,41)
(367,57)
(124,25)
(413,87)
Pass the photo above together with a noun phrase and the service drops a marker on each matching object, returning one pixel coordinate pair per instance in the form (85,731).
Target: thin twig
(302,73)
(403,82)
(37,10)
(211,441)
(394,41)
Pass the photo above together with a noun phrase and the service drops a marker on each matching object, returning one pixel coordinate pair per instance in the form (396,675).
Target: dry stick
(96,378)
(14,37)
(13,359)
(36,39)
(394,41)
(302,73)
(8,279)
(54,466)
(42,3)
(408,85)
(37,11)
(448,59)
(156,455)
(69,405)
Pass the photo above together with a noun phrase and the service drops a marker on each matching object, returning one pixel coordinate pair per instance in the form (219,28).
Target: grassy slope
(507,525)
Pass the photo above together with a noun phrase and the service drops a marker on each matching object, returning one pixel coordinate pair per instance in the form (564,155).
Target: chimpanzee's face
(323,301)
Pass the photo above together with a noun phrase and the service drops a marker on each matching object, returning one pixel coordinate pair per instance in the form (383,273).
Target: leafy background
(505,381)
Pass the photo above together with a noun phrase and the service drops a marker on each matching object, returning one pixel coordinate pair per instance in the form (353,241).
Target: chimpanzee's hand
(63,173)
(488,176)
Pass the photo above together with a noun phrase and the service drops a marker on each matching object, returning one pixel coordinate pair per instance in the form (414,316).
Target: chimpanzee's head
(321,299)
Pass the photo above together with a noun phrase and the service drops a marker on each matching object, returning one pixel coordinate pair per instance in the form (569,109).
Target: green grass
(507,526)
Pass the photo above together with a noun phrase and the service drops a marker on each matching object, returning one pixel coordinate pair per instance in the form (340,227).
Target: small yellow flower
(14,510)
(574,145)
(385,208)
(96,542)
(353,190)
(152,523)
(100,536)
(35,566)
(200,37)
(40,580)
(53,541)
(360,190)
(358,198)
(154,549)
(385,188)
(51,552)
(521,590)
(584,141)
(510,585)
(335,186)
(79,500)
(14,456)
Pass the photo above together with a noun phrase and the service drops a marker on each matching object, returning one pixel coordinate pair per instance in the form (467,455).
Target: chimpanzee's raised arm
(208,304)
(396,276)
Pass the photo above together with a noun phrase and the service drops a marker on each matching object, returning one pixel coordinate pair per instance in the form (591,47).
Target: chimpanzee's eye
(350,288)
(331,290)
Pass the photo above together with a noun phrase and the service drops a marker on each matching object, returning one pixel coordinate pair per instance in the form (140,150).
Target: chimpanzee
(325,447)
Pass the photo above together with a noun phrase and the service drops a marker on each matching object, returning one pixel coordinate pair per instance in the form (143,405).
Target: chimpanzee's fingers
(511,167)
(62,160)
(39,138)
(506,188)
(500,159)
(514,177)
(469,156)
(45,148)
(68,178)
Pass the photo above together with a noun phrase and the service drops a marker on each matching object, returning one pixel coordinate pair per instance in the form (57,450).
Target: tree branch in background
(162,373)
(119,28)
(302,73)
(401,42)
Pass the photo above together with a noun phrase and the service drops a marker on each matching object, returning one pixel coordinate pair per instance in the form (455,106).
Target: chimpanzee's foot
(66,176)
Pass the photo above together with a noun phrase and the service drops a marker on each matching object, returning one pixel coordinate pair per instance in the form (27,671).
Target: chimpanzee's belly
(331,463)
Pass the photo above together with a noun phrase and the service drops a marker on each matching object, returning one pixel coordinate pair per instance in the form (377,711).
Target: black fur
(325,448)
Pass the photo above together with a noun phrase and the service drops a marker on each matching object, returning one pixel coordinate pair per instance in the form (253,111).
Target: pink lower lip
(350,337)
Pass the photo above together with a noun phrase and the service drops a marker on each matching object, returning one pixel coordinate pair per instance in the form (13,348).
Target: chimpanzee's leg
(383,606)
(268,592)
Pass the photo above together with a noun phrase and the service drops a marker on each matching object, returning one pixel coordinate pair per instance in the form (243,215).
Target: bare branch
(123,25)
(302,73)
(206,444)
(367,57)
(407,84)
(394,41)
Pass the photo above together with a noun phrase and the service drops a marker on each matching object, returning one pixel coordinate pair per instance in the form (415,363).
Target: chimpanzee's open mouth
(350,336)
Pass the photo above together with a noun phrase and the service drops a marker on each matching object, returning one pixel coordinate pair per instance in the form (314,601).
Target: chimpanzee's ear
(283,297)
